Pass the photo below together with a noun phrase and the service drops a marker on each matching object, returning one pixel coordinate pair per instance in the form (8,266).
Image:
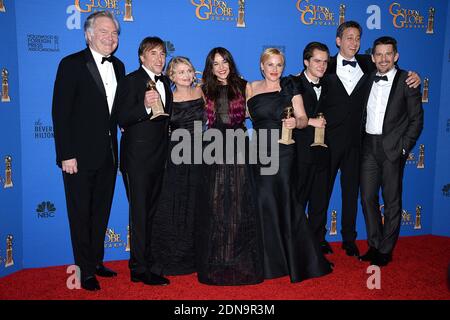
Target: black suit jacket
(305,137)
(342,111)
(403,120)
(82,123)
(144,142)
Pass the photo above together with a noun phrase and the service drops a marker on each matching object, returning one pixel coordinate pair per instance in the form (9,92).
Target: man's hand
(290,123)
(69,166)
(413,80)
(151,98)
(317,122)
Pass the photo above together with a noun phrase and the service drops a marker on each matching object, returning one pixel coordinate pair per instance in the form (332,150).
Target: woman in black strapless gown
(289,246)
(173,224)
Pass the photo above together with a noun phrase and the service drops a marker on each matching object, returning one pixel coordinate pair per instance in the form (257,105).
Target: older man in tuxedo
(393,121)
(86,141)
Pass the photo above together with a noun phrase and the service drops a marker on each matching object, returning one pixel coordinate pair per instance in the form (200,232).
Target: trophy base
(421,167)
(128,19)
(286,142)
(9,264)
(6,99)
(424,100)
(333,233)
(7,185)
(429,32)
(240,25)
(417,228)
(2,9)
(319,145)
(157,115)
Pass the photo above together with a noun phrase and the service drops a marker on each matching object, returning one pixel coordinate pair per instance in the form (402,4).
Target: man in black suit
(145,147)
(347,74)
(393,121)
(86,141)
(313,162)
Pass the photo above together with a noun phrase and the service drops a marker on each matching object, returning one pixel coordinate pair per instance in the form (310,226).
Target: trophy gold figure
(333,228)
(341,14)
(2,6)
(426,84)
(127,248)
(128,16)
(421,161)
(241,14)
(319,135)
(286,134)
(5,86)
(8,173)
(430,27)
(159,109)
(9,251)
(418,224)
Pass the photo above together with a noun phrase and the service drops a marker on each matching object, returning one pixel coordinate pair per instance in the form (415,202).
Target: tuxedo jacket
(144,142)
(83,126)
(403,120)
(342,111)
(305,137)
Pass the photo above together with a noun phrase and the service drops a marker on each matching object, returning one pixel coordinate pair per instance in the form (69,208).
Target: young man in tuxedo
(313,162)
(392,123)
(144,142)
(347,74)
(86,141)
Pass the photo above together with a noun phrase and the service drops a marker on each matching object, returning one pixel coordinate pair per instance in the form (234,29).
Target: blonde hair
(170,71)
(269,52)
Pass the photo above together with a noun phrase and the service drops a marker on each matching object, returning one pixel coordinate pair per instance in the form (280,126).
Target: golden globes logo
(112,239)
(316,14)
(217,10)
(117,7)
(405,18)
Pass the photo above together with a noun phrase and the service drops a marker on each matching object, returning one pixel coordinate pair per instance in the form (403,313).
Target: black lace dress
(228,245)
(173,224)
(289,246)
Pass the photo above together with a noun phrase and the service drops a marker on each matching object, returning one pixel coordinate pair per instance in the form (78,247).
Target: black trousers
(89,195)
(313,192)
(347,161)
(378,172)
(143,195)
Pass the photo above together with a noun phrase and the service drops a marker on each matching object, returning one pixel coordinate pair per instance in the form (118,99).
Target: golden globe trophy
(241,14)
(286,134)
(2,6)
(8,173)
(5,86)
(430,27)
(421,161)
(426,84)
(418,224)
(127,248)
(158,110)
(341,14)
(333,228)
(319,135)
(128,16)
(9,251)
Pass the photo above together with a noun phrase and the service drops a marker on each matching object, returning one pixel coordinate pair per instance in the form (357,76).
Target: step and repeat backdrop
(36,34)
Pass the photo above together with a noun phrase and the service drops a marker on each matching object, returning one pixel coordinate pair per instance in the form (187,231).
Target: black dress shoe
(150,278)
(381,259)
(103,271)
(370,255)
(326,248)
(90,284)
(350,248)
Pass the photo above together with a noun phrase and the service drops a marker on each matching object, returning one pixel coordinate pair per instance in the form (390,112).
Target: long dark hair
(236,88)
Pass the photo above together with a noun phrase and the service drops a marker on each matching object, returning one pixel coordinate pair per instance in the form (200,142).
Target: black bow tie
(378,78)
(158,78)
(346,62)
(109,59)
(317,85)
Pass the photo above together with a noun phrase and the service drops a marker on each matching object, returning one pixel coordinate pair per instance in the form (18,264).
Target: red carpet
(418,271)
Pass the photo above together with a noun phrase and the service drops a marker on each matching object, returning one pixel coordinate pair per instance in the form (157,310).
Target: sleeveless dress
(173,224)
(229,244)
(289,246)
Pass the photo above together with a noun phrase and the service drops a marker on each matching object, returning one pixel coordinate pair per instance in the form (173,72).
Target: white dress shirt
(108,77)
(159,88)
(378,100)
(317,90)
(348,75)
